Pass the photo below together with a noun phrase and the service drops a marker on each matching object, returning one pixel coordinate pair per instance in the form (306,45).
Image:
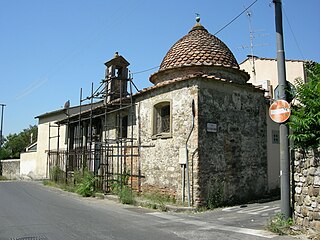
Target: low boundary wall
(307,186)
(11,168)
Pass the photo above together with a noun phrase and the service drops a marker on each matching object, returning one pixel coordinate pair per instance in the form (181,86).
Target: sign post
(283,129)
(1,133)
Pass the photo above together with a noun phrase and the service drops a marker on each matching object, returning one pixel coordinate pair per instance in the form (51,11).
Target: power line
(147,70)
(245,10)
(236,17)
(294,37)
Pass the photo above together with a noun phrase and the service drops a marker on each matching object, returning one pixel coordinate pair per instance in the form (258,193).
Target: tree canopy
(14,144)
(305,118)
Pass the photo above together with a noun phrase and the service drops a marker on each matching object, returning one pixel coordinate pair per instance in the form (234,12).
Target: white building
(33,162)
(263,72)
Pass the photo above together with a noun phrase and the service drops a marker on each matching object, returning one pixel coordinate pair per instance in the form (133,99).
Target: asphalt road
(30,211)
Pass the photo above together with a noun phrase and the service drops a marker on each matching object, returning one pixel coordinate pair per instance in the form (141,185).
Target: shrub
(215,194)
(77,177)
(55,174)
(120,187)
(125,195)
(86,185)
(305,117)
(278,224)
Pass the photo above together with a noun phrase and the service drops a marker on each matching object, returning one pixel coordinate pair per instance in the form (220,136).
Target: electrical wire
(236,17)
(214,34)
(147,70)
(294,37)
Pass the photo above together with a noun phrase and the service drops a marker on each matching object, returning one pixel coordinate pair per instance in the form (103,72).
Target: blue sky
(51,49)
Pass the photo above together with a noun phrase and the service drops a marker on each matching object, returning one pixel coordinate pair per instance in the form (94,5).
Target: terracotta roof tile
(215,77)
(198,47)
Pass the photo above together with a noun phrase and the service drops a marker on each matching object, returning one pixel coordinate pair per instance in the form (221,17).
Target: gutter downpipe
(183,173)
(187,158)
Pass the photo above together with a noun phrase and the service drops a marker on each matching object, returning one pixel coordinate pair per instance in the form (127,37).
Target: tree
(14,144)
(305,118)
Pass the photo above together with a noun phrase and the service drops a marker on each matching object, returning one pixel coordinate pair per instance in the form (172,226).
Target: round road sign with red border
(279,111)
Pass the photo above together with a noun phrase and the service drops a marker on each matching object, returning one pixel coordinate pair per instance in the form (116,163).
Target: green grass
(278,224)
(86,185)
(156,200)
(83,184)
(3,178)
(62,186)
(126,195)
(159,198)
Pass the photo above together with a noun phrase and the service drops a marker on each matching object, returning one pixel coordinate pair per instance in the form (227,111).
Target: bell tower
(116,78)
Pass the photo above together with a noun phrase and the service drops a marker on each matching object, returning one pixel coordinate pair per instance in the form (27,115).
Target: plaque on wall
(211,127)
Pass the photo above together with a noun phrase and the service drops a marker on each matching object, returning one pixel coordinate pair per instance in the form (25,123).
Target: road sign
(290,89)
(279,111)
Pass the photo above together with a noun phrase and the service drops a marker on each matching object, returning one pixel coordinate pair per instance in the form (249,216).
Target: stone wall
(307,185)
(11,168)
(233,157)
(159,156)
(232,160)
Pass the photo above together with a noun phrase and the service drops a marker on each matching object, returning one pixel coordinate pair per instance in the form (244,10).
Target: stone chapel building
(198,133)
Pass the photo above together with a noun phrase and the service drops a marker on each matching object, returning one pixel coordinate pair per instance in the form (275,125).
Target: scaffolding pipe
(78,159)
(106,151)
(48,156)
(58,143)
(116,156)
(139,146)
(91,103)
(67,137)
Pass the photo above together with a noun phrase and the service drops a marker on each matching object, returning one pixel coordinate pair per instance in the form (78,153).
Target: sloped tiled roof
(249,58)
(199,47)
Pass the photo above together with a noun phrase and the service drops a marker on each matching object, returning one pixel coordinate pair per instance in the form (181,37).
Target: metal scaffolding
(113,158)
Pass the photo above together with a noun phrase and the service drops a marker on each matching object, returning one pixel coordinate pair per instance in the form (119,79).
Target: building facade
(263,73)
(198,134)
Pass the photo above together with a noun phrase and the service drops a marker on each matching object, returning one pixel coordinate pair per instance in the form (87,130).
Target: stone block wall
(307,187)
(159,156)
(233,157)
(11,168)
(232,160)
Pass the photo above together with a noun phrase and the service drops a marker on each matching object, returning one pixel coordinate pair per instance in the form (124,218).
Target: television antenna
(252,46)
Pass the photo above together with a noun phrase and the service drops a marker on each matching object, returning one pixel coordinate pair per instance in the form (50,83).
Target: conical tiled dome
(198,47)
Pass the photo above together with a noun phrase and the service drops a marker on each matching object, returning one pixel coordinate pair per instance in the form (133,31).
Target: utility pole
(1,133)
(283,129)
